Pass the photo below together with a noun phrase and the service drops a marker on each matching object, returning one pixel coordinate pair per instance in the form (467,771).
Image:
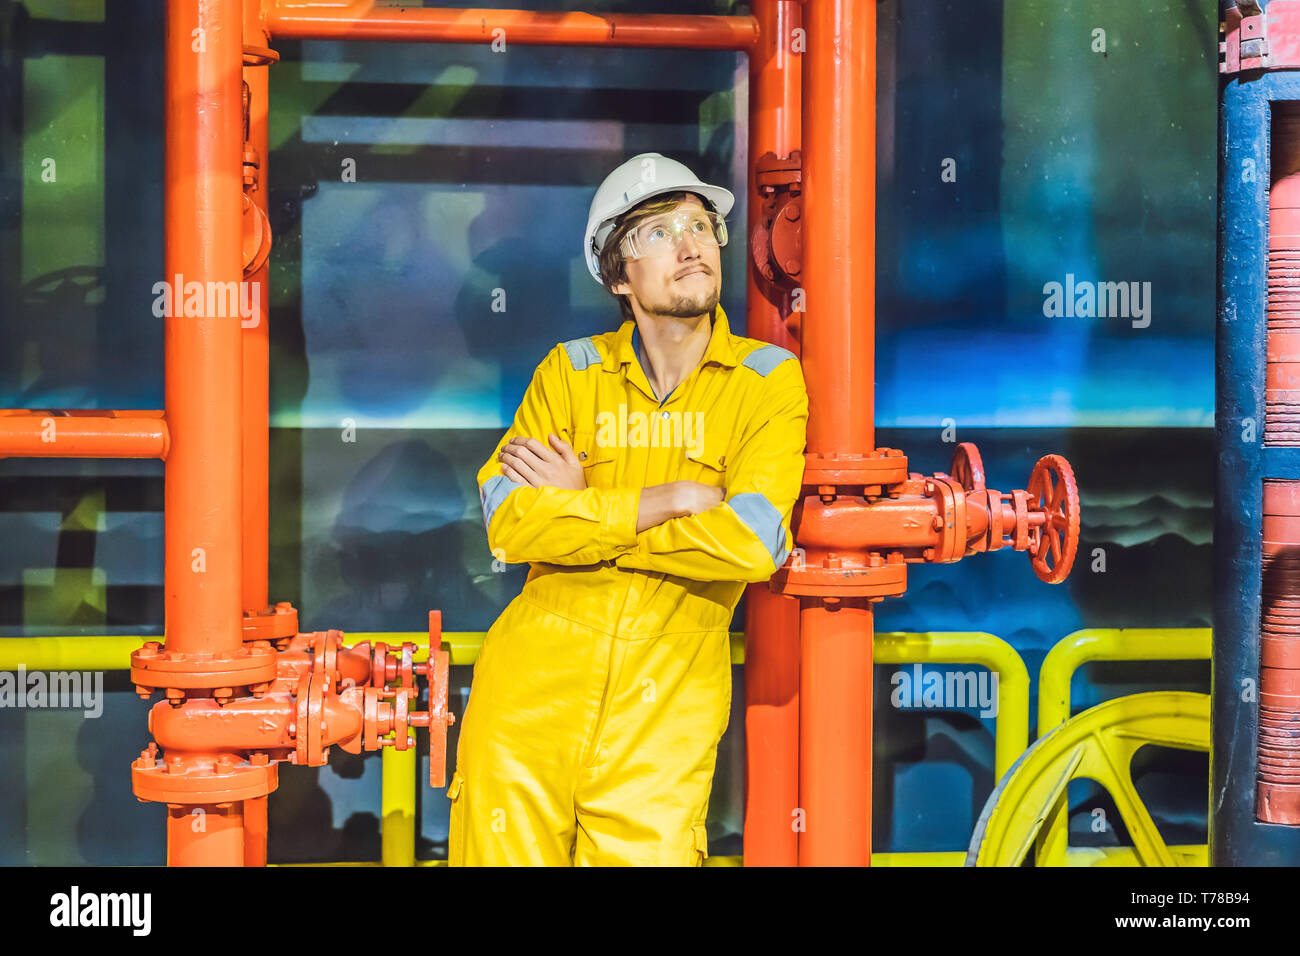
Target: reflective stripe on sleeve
(762,518)
(493,492)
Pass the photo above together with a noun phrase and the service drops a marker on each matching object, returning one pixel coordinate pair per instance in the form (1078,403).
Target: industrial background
(474,171)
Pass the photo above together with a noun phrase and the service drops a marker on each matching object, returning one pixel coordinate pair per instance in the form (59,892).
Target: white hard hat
(643,176)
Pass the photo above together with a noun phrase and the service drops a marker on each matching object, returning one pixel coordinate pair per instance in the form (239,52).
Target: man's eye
(656,235)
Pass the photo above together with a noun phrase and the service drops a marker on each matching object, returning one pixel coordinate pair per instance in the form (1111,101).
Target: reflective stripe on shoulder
(762,518)
(493,492)
(582,352)
(765,358)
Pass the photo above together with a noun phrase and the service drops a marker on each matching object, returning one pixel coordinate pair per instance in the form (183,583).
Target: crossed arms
(537,507)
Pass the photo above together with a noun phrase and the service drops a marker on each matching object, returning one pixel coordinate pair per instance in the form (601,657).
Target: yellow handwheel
(1098,744)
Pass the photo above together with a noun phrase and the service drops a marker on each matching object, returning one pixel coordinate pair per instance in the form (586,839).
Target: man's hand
(529,462)
(694,497)
(674,499)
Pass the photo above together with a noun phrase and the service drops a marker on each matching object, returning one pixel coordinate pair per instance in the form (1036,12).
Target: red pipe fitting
(776,241)
(221,745)
(156,666)
(271,623)
(853,545)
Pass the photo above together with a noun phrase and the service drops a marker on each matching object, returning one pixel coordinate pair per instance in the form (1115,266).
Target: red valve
(439,716)
(256,236)
(968,467)
(1054,514)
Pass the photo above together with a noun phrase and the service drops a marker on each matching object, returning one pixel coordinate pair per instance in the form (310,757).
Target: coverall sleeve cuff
(618,525)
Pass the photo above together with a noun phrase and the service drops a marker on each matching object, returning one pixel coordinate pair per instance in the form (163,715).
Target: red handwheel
(968,467)
(440,718)
(1056,497)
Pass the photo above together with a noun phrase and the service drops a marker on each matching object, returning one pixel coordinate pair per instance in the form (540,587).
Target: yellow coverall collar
(718,350)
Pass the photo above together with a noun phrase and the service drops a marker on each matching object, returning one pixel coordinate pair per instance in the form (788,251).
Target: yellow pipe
(1109,644)
(463,645)
(111,652)
(398,790)
(1011,735)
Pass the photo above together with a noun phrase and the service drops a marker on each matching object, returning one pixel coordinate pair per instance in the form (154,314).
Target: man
(649,474)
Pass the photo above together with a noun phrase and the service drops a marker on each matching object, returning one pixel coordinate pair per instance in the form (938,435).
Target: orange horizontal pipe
(82,433)
(245,723)
(255,723)
(906,522)
(371,21)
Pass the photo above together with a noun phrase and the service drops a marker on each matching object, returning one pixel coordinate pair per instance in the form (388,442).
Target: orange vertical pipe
(839,142)
(256,387)
(203,369)
(771,620)
(256,341)
(771,727)
(254,813)
(203,354)
(835,733)
(212,836)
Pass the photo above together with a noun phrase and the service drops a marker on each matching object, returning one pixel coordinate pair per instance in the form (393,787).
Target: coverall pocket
(699,844)
(711,460)
(597,459)
(726,707)
(456,823)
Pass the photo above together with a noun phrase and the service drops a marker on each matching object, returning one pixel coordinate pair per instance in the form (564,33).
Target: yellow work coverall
(601,692)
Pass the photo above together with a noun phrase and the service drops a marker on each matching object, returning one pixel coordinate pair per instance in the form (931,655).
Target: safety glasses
(660,235)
